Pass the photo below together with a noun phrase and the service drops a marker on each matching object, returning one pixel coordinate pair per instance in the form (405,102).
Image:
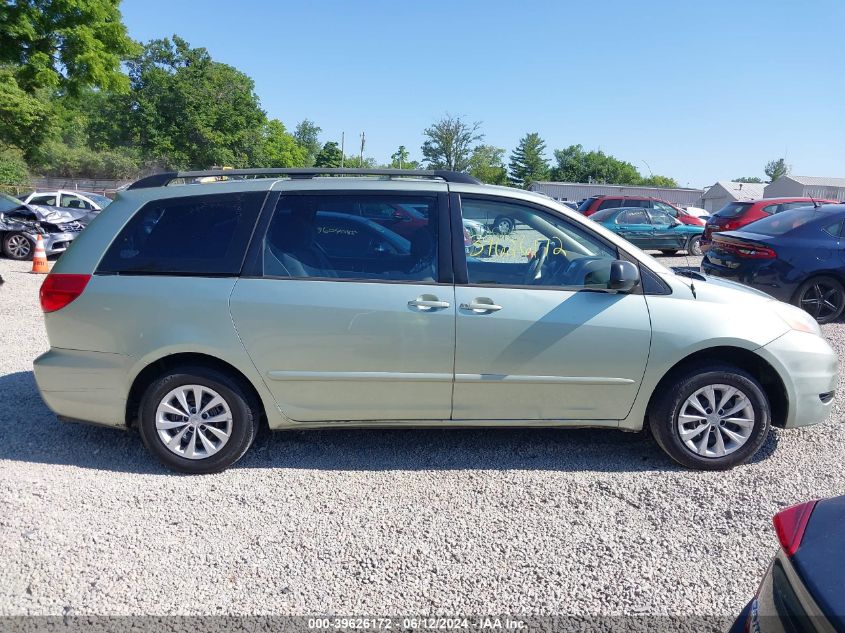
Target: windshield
(100,200)
(786,221)
(7,202)
(732,210)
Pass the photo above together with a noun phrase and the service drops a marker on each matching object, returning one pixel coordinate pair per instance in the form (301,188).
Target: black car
(797,256)
(804,587)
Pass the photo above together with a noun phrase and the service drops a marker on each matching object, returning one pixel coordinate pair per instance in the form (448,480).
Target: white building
(807,187)
(726,191)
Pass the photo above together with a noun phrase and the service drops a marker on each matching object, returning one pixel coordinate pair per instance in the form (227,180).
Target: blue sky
(701,91)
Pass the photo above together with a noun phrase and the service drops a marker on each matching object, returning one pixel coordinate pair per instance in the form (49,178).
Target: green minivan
(194,311)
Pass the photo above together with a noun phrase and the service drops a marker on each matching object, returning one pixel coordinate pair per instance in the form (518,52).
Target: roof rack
(164,179)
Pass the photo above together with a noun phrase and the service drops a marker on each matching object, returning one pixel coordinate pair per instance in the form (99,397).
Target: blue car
(651,229)
(797,256)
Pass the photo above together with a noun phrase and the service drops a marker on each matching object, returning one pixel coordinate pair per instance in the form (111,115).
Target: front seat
(292,250)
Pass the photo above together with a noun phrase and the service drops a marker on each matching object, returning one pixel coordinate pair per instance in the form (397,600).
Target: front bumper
(808,367)
(85,386)
(55,243)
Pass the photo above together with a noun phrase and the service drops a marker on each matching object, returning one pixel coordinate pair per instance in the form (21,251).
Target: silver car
(196,312)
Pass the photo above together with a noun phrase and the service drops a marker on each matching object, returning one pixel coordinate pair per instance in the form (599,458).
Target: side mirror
(398,215)
(624,276)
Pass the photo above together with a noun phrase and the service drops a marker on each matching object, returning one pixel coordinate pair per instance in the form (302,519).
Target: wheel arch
(744,359)
(158,367)
(835,273)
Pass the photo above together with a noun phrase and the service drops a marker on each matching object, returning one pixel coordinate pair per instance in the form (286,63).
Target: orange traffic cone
(39,259)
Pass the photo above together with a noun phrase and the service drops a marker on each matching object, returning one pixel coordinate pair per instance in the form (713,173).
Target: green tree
(576,165)
(400,158)
(776,169)
(353,161)
(329,155)
(659,181)
(64,44)
(748,179)
(25,118)
(449,142)
(186,110)
(307,135)
(280,149)
(13,171)
(527,162)
(487,163)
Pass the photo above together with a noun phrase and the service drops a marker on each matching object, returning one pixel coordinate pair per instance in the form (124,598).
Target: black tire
(244,419)
(828,290)
(666,409)
(14,246)
(503,225)
(694,246)
(669,251)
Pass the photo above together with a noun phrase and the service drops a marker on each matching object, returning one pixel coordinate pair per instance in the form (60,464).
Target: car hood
(53,215)
(719,290)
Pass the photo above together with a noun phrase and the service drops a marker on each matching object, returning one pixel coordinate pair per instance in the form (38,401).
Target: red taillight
(58,290)
(731,225)
(745,250)
(790,525)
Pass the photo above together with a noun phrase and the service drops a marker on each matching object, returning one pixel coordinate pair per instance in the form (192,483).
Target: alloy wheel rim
(193,421)
(715,421)
(19,246)
(821,300)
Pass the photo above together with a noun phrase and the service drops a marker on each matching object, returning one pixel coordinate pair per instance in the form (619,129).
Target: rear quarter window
(201,235)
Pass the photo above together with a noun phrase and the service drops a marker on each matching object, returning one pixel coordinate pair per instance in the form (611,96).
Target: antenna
(816,205)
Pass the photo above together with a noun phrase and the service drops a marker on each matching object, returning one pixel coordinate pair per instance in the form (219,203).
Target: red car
(596,203)
(737,214)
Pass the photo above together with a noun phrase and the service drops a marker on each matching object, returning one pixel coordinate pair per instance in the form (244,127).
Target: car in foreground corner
(295,313)
(651,229)
(802,590)
(797,256)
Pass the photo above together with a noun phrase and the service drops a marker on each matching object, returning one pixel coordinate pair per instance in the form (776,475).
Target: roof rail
(164,179)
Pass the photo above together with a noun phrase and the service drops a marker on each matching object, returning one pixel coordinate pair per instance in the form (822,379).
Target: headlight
(796,318)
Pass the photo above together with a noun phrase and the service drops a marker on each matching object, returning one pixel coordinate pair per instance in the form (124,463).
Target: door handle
(480,305)
(427,304)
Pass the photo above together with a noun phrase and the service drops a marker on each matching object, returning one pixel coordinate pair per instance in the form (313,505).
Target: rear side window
(733,210)
(633,217)
(355,236)
(201,235)
(610,204)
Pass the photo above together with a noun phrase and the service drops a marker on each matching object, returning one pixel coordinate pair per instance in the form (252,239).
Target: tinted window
(610,204)
(585,205)
(191,235)
(542,250)
(628,202)
(658,217)
(633,217)
(372,237)
(833,229)
(666,208)
(47,200)
(781,223)
(603,215)
(733,210)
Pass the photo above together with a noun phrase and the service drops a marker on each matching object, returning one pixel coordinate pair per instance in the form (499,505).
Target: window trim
(460,264)
(254,267)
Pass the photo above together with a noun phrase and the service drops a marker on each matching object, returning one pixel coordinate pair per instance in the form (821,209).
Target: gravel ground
(543,522)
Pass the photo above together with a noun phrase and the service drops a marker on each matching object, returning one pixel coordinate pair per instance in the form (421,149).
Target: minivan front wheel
(713,417)
(197,420)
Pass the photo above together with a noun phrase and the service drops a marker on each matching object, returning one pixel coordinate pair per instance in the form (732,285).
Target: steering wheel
(534,272)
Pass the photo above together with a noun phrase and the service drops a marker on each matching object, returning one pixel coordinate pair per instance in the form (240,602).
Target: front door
(668,233)
(347,319)
(539,337)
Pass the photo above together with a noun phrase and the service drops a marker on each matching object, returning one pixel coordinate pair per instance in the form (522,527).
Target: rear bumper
(758,275)
(84,386)
(808,367)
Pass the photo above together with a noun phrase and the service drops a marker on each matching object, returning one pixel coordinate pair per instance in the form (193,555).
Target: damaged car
(21,224)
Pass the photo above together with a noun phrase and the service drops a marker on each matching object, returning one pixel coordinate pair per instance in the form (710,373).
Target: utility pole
(362,149)
(342,147)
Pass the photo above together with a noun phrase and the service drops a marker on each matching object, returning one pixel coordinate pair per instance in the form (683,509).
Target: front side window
(356,236)
(610,204)
(75,202)
(666,208)
(658,217)
(195,235)
(543,249)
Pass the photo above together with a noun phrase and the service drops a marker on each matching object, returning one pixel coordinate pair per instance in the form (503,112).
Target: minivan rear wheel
(197,420)
(710,417)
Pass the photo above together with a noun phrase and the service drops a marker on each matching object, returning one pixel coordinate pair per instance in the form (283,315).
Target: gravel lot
(551,522)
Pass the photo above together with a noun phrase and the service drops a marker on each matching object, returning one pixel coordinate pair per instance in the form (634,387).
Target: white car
(698,212)
(69,199)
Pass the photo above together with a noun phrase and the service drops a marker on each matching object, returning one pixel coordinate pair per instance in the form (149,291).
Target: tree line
(80,98)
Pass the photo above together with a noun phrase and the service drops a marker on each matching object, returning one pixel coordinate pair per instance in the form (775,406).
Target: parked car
(567,325)
(597,203)
(651,229)
(797,256)
(698,212)
(735,215)
(21,224)
(70,199)
(803,586)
